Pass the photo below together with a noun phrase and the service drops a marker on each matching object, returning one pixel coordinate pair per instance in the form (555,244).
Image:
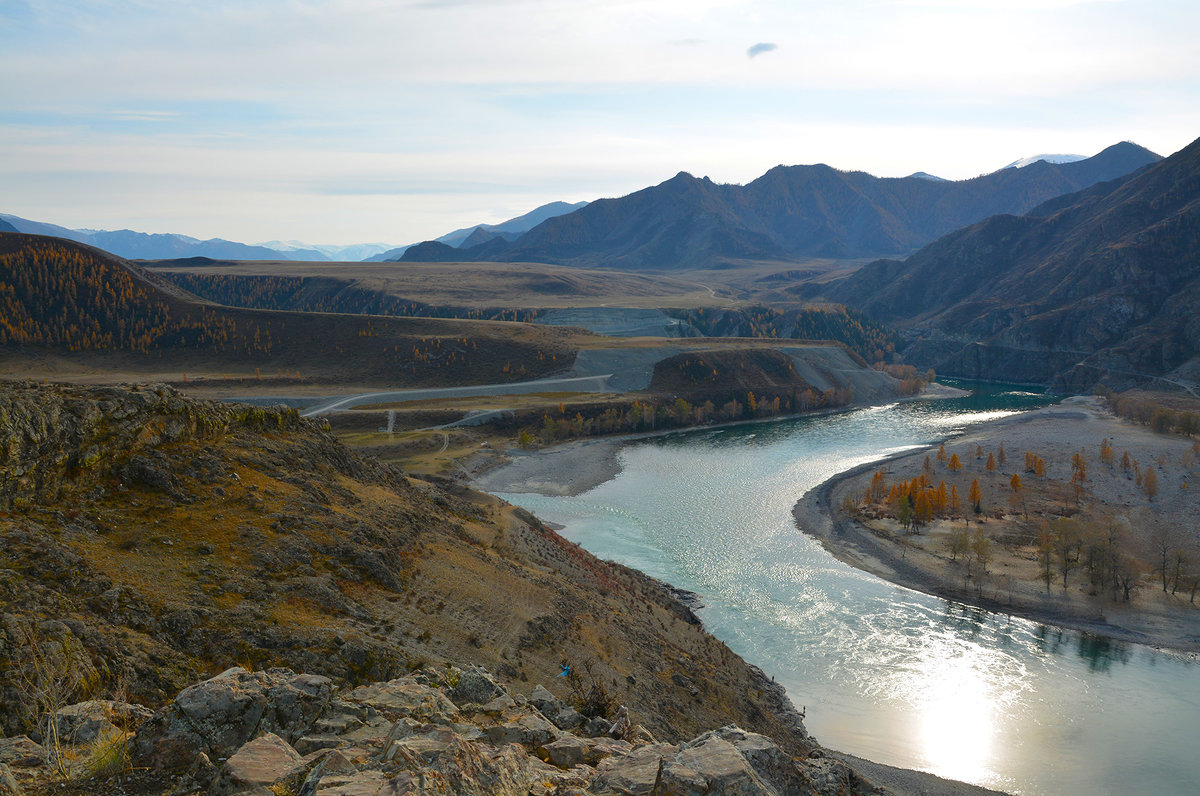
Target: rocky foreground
(149,541)
(435,732)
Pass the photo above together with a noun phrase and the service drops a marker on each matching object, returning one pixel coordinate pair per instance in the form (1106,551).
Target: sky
(353,121)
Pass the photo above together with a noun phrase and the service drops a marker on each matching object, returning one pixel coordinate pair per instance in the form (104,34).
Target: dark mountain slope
(1102,285)
(684,221)
(790,213)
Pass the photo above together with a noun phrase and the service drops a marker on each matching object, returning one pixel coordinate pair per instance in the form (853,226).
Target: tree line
(324,294)
(61,295)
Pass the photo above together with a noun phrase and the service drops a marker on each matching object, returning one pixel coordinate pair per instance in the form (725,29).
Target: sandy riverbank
(564,470)
(1014,586)
(573,468)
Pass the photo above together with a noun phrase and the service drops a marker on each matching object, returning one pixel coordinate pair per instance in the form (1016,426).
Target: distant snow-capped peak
(1023,162)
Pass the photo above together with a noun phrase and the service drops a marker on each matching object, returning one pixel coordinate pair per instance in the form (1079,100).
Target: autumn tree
(1014,483)
(958,542)
(954,464)
(1045,556)
(1067,541)
(1150,482)
(878,487)
(976,496)
(1106,452)
(990,466)
(922,509)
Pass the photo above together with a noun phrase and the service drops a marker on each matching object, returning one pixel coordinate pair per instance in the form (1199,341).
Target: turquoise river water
(884,672)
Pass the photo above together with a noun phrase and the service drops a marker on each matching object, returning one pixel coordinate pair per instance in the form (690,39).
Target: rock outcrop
(278,732)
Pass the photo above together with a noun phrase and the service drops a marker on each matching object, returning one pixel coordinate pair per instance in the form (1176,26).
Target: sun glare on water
(957,721)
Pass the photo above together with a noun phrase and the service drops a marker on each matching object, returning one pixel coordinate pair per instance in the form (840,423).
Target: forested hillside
(66,298)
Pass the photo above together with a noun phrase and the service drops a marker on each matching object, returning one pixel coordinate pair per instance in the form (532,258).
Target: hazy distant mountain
(517,225)
(1023,162)
(507,230)
(924,175)
(1101,285)
(39,228)
(309,251)
(7,227)
(789,213)
(144,246)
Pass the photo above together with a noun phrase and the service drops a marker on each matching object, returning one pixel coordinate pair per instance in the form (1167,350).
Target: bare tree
(52,672)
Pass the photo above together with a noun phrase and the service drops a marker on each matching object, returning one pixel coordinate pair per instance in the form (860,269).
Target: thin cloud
(144,115)
(760,48)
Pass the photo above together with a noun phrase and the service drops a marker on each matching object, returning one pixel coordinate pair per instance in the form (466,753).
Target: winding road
(576,384)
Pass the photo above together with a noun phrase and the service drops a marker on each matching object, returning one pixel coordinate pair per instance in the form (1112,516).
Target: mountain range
(172,246)
(1100,285)
(788,214)
(481,233)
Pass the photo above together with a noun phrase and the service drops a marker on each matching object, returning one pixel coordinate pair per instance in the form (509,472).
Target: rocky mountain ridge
(1100,285)
(788,214)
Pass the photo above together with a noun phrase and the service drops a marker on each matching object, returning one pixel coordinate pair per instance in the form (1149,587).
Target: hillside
(790,213)
(169,538)
(69,302)
(1098,286)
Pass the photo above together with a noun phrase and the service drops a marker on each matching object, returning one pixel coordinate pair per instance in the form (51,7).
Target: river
(884,672)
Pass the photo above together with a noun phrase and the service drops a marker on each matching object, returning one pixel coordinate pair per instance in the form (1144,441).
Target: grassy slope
(171,538)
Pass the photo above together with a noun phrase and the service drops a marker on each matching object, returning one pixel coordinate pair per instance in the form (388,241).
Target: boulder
(595,727)
(771,763)
(547,703)
(84,722)
(21,751)
(571,750)
(567,752)
(405,697)
(498,705)
(710,764)
(600,748)
(475,685)
(567,719)
(529,729)
(351,783)
(221,714)
(421,748)
(8,783)
(257,764)
(633,774)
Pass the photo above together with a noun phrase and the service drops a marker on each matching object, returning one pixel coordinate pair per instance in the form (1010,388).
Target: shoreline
(577,466)
(540,471)
(853,543)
